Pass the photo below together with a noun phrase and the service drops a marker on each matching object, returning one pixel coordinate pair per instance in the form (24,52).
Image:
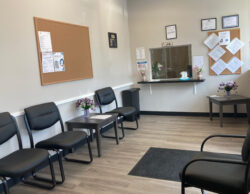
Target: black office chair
(106,96)
(22,162)
(43,116)
(219,173)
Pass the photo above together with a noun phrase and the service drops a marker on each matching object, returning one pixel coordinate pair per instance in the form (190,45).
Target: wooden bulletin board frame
(234,33)
(73,41)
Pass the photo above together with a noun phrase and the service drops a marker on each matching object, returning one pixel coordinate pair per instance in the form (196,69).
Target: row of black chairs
(27,162)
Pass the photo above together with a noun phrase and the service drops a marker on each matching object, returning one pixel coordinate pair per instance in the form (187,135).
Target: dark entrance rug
(160,163)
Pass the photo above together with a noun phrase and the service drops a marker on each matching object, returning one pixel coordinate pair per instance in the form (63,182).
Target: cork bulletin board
(73,41)
(235,33)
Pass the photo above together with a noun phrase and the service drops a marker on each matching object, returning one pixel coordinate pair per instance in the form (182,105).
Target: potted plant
(227,87)
(85,104)
(156,69)
(198,71)
(142,74)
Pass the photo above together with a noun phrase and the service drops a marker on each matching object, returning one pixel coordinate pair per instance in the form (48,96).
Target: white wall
(147,21)
(19,70)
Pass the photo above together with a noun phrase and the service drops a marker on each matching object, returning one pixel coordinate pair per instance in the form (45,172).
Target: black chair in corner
(46,115)
(107,96)
(219,173)
(23,162)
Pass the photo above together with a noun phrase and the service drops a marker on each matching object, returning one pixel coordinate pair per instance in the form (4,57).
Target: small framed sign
(209,24)
(171,32)
(112,40)
(231,21)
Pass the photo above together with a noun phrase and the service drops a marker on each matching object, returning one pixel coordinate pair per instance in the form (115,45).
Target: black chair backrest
(40,117)
(8,128)
(105,96)
(245,153)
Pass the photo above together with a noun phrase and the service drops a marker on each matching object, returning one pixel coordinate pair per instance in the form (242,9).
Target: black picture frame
(166,30)
(208,29)
(237,24)
(112,40)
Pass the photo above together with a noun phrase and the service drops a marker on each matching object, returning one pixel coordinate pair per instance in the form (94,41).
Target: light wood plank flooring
(109,174)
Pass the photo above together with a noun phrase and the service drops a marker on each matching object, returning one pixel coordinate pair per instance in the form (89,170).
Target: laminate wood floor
(109,174)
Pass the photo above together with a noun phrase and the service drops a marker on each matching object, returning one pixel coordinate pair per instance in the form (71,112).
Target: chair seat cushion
(124,111)
(66,140)
(20,162)
(215,176)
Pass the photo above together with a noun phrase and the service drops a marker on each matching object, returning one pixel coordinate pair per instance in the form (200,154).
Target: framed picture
(112,40)
(209,24)
(171,32)
(231,21)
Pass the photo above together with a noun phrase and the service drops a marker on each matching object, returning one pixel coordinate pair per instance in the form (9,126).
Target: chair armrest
(226,161)
(220,135)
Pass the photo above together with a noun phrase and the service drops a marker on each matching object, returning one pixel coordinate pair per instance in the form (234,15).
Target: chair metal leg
(52,181)
(182,188)
(131,128)
(59,157)
(202,191)
(82,161)
(5,186)
(112,137)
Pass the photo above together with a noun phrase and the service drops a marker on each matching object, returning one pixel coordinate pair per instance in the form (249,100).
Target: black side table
(231,100)
(97,124)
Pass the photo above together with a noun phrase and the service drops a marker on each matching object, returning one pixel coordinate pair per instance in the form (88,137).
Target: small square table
(97,124)
(227,100)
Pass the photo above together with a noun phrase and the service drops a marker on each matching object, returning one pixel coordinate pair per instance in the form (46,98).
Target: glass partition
(169,62)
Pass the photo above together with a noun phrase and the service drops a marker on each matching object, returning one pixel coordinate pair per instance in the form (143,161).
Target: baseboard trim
(193,114)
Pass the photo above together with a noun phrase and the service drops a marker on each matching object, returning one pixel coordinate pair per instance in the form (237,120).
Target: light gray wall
(147,21)
(19,69)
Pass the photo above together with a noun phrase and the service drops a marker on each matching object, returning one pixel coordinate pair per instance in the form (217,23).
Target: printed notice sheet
(208,24)
(230,21)
(235,46)
(212,41)
(47,62)
(219,67)
(171,32)
(59,61)
(234,64)
(224,38)
(217,53)
(102,117)
(45,41)
(140,53)
(198,61)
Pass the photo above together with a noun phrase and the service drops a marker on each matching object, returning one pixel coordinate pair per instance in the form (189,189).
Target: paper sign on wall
(234,64)
(47,62)
(45,41)
(219,67)
(217,53)
(235,46)
(142,65)
(224,37)
(198,61)
(59,61)
(212,41)
(140,53)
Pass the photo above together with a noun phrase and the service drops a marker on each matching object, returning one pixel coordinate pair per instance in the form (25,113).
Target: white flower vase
(86,113)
